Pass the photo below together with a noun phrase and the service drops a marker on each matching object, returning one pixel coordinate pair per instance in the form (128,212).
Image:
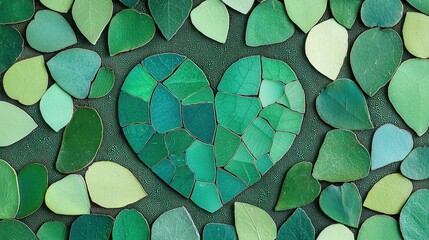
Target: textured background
(43,144)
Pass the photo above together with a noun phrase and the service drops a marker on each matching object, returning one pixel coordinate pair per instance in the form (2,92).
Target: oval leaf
(336,232)
(62,6)
(253,223)
(175,224)
(380,227)
(305,13)
(91,227)
(12,46)
(14,229)
(381,13)
(416,34)
(53,230)
(15,124)
(415,166)
(56,107)
(130,224)
(211,18)
(9,195)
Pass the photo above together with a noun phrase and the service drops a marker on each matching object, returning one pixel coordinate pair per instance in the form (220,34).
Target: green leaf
(299,187)
(305,13)
(375,56)
(415,166)
(81,140)
(62,6)
(12,229)
(326,47)
(342,105)
(336,232)
(129,30)
(15,124)
(345,11)
(130,224)
(211,18)
(56,107)
(253,223)
(103,83)
(91,227)
(16,11)
(32,181)
(169,15)
(129,3)
(242,6)
(217,231)
(407,93)
(268,24)
(381,13)
(379,227)
(53,230)
(343,204)
(175,224)
(297,227)
(416,33)
(394,187)
(91,17)
(110,185)
(413,220)
(9,196)
(342,158)
(421,5)
(27,80)
(12,46)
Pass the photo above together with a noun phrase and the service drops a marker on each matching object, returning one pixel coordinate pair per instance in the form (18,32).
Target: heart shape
(209,148)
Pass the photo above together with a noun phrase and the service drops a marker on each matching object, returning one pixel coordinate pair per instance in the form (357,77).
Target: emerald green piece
(258,137)
(336,232)
(49,32)
(281,144)
(282,118)
(132,110)
(206,196)
(74,70)
(381,13)
(297,227)
(379,227)
(103,83)
(326,47)
(15,124)
(16,11)
(129,30)
(305,13)
(179,161)
(138,135)
(12,43)
(342,158)
(178,141)
(236,112)
(26,80)
(345,11)
(59,6)
(270,92)
(53,230)
(375,56)
(343,204)
(186,80)
(165,170)
(199,119)
(415,34)
(33,182)
(203,96)
(253,223)
(139,83)
(268,24)
(242,77)
(154,151)
(229,186)
(299,187)
(9,196)
(91,227)
(165,110)
(226,144)
(211,18)
(81,140)
(175,224)
(129,3)
(243,166)
(200,159)
(242,6)
(415,166)
(294,97)
(56,107)
(183,181)
(413,220)
(11,229)
(217,231)
(342,105)
(389,195)
(91,17)
(421,5)
(161,66)
(130,224)
(275,70)
(170,15)
(264,163)
(111,185)
(406,89)
(68,196)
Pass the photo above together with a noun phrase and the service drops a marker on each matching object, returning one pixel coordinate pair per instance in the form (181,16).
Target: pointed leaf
(305,13)
(9,194)
(253,223)
(297,227)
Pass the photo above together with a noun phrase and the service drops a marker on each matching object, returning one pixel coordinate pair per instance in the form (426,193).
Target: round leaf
(336,232)
(381,13)
(379,227)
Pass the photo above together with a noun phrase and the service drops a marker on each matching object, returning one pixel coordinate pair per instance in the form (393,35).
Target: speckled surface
(43,144)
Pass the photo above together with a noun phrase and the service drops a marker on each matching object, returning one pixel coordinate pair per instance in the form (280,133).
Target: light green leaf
(242,6)
(305,13)
(9,194)
(211,18)
(416,34)
(175,224)
(253,223)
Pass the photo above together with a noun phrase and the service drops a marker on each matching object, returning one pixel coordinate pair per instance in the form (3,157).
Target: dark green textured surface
(43,144)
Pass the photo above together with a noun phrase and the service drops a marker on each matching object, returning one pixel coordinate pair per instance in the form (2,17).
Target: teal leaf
(413,219)
(175,224)
(297,227)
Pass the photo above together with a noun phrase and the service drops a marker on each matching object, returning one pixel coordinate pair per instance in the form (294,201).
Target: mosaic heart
(210,148)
